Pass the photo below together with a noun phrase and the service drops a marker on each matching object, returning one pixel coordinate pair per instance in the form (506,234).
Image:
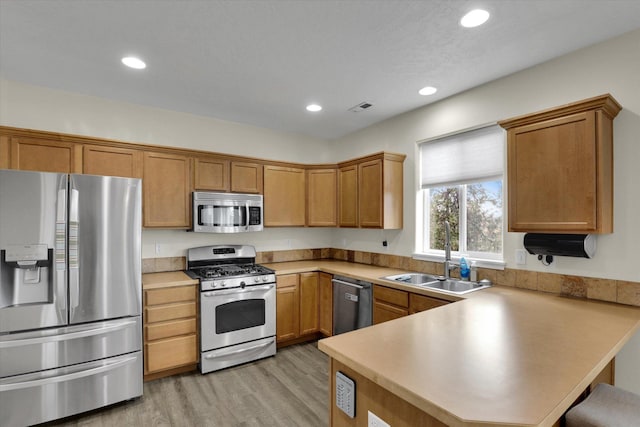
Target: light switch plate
(521,256)
(345,394)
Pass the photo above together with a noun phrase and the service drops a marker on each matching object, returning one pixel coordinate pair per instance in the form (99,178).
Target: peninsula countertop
(498,356)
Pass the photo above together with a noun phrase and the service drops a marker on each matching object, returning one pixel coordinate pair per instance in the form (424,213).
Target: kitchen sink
(438,283)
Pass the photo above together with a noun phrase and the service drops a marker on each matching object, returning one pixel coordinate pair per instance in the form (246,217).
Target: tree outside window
(474,212)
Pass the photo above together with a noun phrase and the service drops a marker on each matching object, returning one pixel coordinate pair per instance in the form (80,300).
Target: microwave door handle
(247,216)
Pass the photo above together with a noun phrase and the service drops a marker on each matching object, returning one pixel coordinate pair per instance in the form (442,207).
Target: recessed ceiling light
(474,18)
(427,90)
(314,108)
(133,62)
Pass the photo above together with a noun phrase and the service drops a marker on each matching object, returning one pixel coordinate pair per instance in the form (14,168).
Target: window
(461,182)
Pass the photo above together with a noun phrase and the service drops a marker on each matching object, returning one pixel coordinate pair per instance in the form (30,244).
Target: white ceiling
(261,62)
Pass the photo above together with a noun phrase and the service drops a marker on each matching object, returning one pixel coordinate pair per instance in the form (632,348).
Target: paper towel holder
(546,246)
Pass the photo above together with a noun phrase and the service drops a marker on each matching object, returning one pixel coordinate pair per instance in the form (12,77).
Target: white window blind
(463,157)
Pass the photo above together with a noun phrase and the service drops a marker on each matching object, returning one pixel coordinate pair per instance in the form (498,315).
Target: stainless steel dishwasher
(352,304)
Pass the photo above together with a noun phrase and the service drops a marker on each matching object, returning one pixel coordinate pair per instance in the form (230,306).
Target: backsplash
(619,291)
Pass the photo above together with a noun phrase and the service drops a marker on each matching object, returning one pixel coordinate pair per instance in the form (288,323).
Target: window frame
(482,259)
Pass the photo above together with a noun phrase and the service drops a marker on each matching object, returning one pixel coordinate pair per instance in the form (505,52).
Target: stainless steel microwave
(226,212)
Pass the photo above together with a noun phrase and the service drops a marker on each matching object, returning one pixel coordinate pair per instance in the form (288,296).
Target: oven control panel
(236,282)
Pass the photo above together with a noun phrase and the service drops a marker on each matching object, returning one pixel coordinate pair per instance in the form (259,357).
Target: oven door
(234,316)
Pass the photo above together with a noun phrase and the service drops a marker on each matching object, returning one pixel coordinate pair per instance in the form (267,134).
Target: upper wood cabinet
(43,155)
(560,168)
(348,196)
(211,174)
(371,192)
(322,187)
(246,177)
(112,161)
(284,196)
(166,190)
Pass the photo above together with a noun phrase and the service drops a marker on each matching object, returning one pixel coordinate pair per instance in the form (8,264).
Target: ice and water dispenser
(26,275)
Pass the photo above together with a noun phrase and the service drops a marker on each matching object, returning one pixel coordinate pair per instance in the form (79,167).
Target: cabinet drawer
(422,303)
(169,312)
(171,353)
(392,296)
(172,328)
(170,295)
(383,312)
(287,280)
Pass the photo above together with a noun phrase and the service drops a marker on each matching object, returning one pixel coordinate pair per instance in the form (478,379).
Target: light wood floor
(290,389)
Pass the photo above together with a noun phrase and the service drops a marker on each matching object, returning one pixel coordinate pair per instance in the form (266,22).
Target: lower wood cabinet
(389,304)
(309,303)
(170,330)
(325,303)
(297,309)
(287,307)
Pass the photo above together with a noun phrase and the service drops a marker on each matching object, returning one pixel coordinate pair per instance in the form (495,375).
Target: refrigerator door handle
(108,366)
(60,251)
(100,330)
(74,250)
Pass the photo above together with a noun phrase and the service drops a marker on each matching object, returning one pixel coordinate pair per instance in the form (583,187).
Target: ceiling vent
(360,107)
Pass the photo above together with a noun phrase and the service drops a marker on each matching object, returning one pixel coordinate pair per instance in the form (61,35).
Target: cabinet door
(166,190)
(246,177)
(322,197)
(348,196)
(553,169)
(326,304)
(370,194)
(211,174)
(309,303)
(284,196)
(287,307)
(112,161)
(44,155)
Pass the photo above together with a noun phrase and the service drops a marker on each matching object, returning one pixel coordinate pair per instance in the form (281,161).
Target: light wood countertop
(166,280)
(499,356)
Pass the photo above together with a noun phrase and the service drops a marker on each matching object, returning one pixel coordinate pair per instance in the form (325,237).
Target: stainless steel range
(237,305)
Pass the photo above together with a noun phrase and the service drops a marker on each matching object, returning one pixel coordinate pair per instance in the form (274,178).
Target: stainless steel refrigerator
(70,294)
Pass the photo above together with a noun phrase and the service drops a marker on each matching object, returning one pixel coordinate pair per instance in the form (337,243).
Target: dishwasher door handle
(347,283)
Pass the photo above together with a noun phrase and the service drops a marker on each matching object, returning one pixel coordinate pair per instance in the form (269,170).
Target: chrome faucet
(447,251)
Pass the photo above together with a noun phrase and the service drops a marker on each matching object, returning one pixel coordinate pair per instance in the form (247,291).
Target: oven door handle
(242,350)
(238,291)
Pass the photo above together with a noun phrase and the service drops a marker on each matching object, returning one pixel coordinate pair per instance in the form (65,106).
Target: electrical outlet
(521,256)
(157,248)
(374,421)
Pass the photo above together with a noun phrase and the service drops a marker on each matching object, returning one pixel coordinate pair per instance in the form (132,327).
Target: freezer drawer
(56,393)
(26,352)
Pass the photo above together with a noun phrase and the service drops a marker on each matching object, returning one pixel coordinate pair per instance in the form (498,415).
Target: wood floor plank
(290,389)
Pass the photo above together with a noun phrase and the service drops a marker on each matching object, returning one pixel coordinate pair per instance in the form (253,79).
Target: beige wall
(42,108)
(610,67)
